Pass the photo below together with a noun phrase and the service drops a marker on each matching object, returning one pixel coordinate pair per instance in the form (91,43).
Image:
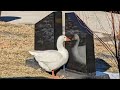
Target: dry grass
(102,53)
(15,42)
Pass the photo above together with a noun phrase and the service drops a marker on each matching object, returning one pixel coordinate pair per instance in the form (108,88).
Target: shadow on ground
(8,18)
(101,65)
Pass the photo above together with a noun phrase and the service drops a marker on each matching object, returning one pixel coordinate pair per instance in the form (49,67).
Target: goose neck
(77,43)
(60,46)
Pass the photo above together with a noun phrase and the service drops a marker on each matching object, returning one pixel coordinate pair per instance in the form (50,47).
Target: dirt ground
(15,42)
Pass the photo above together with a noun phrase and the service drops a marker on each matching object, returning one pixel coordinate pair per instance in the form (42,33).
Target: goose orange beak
(67,39)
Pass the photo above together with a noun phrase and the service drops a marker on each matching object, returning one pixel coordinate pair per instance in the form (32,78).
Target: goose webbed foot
(56,77)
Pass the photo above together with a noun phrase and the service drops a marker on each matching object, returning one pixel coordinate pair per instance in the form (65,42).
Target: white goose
(79,53)
(51,60)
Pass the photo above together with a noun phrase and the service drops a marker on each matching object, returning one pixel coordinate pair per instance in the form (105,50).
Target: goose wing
(46,56)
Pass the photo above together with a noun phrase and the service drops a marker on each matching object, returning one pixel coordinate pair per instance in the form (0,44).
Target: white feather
(52,59)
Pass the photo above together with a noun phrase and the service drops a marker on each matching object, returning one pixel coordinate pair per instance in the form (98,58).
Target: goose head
(60,41)
(76,37)
(63,38)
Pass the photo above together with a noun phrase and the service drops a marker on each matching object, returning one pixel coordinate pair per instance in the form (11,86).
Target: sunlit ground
(16,41)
